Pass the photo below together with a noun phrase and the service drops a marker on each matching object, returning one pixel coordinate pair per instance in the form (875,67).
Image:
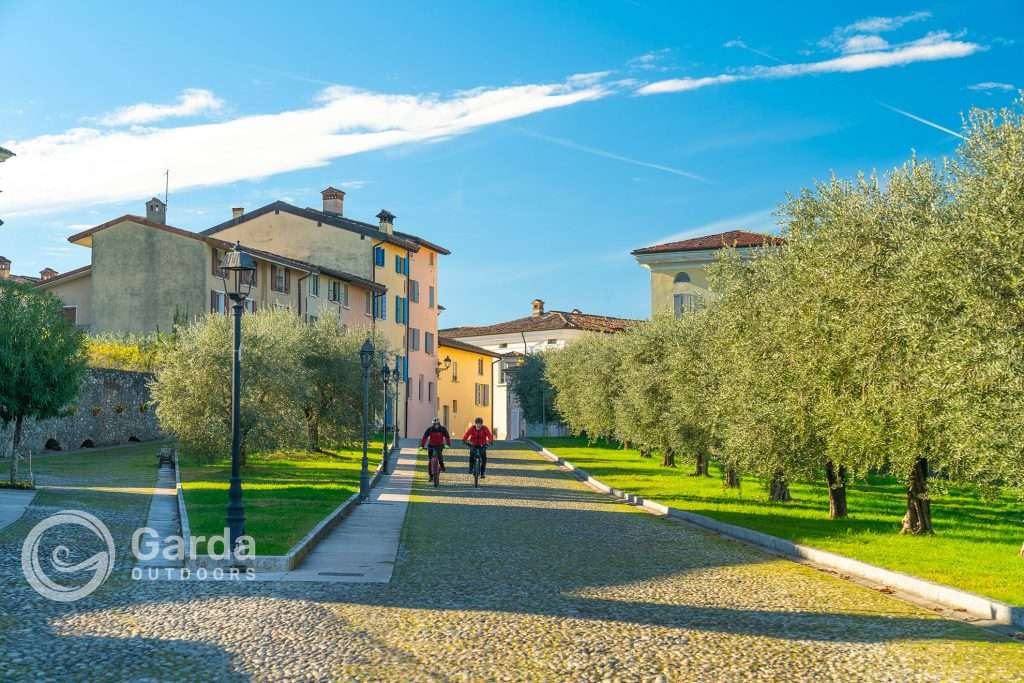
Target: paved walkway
(531,577)
(163,516)
(363,547)
(13,504)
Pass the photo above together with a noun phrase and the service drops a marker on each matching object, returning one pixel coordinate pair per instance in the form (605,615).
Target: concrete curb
(976,605)
(183,525)
(298,552)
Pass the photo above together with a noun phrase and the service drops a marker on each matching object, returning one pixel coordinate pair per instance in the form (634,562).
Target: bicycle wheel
(476,471)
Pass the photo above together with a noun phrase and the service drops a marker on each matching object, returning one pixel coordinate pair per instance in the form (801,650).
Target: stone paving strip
(163,517)
(531,577)
(13,503)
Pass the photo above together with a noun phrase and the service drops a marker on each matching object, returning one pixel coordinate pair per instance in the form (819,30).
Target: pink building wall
(422,407)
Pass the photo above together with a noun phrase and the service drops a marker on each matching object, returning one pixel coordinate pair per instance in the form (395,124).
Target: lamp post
(365,360)
(396,379)
(236,269)
(385,373)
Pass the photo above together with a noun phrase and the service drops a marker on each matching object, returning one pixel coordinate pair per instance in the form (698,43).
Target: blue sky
(540,142)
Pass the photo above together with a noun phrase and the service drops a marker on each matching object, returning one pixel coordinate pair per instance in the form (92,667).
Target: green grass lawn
(975,546)
(286,493)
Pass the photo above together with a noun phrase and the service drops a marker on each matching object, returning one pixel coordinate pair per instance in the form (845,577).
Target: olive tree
(586,377)
(42,360)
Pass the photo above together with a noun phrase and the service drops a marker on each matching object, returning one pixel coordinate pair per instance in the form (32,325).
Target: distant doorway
(444,415)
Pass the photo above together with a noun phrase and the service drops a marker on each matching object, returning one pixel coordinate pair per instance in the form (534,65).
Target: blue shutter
(378,256)
(405,368)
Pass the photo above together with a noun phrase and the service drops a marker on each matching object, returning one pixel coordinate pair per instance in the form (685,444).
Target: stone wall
(113,407)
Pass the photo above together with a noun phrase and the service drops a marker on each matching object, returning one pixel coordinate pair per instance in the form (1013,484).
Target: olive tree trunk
(778,491)
(731,478)
(918,519)
(702,466)
(15,442)
(312,432)
(836,490)
(668,458)
(645,452)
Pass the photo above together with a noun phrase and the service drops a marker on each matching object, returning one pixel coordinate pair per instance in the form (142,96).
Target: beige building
(540,331)
(679,282)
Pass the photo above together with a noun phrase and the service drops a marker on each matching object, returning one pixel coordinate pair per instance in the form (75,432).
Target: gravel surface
(530,577)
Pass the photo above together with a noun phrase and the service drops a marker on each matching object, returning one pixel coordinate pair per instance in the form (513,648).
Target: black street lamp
(444,365)
(365,360)
(236,269)
(396,379)
(385,373)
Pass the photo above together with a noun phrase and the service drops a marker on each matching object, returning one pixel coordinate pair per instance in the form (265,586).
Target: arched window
(681,277)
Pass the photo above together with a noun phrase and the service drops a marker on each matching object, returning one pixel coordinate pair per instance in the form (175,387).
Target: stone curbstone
(183,525)
(976,605)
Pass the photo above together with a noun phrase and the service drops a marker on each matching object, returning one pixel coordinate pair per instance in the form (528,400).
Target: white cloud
(650,61)
(842,36)
(920,52)
(191,102)
(93,166)
(742,45)
(863,43)
(884,24)
(991,85)
(589,78)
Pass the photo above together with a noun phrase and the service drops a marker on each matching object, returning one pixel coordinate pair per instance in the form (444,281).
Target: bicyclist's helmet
(435,421)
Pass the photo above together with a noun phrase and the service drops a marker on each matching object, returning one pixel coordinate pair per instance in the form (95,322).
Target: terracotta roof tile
(732,238)
(552,320)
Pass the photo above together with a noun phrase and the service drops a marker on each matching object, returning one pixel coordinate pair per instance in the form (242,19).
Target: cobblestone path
(530,577)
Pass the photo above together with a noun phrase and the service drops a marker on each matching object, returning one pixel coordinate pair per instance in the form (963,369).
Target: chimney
(5,268)
(237,212)
(387,221)
(334,200)
(156,211)
(538,308)
(47,274)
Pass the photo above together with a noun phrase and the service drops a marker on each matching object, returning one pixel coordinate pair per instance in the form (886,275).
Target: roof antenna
(167,184)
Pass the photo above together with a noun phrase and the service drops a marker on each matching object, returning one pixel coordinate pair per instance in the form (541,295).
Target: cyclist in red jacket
(478,437)
(435,438)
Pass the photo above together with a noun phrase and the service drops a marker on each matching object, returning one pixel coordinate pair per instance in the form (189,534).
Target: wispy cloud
(849,38)
(649,61)
(921,120)
(919,52)
(884,24)
(191,102)
(988,86)
(611,155)
(344,121)
(742,45)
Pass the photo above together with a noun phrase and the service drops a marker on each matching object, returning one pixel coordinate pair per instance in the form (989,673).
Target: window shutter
(287,281)
(213,301)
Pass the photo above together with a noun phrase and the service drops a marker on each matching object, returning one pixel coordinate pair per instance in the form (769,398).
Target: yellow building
(465,387)
(679,282)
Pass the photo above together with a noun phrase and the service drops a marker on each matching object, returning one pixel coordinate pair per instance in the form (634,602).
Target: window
(479,366)
(405,372)
(414,291)
(378,256)
(481,394)
(279,280)
(455,371)
(218,302)
(217,256)
(419,390)
(250,306)
(414,339)
(686,303)
(71,314)
(428,342)
(487,394)
(314,285)
(430,392)
(552,342)
(502,346)
(430,297)
(401,310)
(380,306)
(455,406)
(681,277)
(334,291)
(401,265)
(370,298)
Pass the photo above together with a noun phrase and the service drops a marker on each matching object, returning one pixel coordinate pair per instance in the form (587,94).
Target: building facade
(539,332)
(679,282)
(405,313)
(465,380)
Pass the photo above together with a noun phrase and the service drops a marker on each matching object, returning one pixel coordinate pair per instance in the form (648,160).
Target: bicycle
(477,455)
(434,465)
